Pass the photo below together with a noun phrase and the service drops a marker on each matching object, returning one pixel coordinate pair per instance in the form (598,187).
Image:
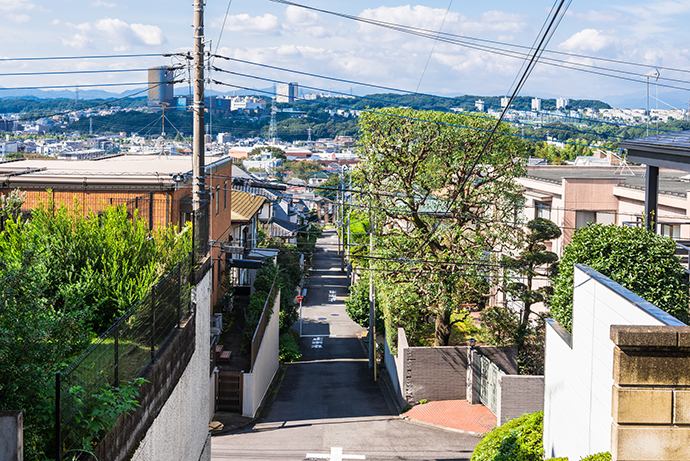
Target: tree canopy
(64,277)
(444,201)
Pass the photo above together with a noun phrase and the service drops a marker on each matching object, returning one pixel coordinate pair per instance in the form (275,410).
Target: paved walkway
(454,414)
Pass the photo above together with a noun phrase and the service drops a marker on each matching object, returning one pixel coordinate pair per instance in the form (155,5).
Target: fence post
(179,293)
(117,356)
(58,429)
(153,321)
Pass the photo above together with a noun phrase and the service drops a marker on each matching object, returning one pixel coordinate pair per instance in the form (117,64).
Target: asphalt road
(328,406)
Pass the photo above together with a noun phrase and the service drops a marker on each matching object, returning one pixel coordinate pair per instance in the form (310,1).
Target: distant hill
(180,90)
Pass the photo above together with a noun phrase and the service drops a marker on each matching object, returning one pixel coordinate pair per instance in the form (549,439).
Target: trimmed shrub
(289,347)
(517,440)
(641,261)
(606,456)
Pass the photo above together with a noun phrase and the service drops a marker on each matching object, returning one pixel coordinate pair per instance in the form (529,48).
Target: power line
(217,82)
(54,58)
(94,85)
(398,90)
(70,72)
(447,38)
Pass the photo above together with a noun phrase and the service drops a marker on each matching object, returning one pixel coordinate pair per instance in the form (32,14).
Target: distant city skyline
(651,32)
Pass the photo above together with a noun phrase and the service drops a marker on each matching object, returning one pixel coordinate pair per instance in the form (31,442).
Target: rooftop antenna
(623,168)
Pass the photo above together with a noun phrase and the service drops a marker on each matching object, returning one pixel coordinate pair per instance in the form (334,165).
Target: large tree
(445,204)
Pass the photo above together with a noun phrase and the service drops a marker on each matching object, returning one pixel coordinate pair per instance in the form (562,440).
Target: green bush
(641,261)
(517,440)
(357,305)
(598,457)
(289,347)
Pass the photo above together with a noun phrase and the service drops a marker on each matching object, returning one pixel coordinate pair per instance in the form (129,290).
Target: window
(225,195)
(606,217)
(543,210)
(670,230)
(217,200)
(582,218)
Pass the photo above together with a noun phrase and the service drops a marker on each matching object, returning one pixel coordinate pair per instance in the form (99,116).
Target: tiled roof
(245,205)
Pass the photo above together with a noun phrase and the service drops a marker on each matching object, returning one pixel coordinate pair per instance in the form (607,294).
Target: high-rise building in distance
(161,88)
(287,92)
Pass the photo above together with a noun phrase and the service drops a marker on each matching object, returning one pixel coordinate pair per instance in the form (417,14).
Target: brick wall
(435,373)
(519,395)
(651,397)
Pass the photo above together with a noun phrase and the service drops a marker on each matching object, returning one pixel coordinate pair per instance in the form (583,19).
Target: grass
(101,361)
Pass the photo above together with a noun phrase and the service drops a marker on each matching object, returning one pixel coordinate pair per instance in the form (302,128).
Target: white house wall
(579,375)
(180,431)
(266,365)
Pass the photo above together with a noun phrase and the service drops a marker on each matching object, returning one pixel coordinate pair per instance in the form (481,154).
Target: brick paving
(455,414)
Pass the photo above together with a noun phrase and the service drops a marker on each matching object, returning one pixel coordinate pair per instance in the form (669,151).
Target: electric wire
(398,90)
(217,82)
(425,33)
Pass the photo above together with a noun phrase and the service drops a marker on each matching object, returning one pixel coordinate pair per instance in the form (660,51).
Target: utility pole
(341,218)
(372,310)
(199,202)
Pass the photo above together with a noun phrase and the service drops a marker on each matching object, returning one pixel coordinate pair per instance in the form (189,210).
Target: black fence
(119,356)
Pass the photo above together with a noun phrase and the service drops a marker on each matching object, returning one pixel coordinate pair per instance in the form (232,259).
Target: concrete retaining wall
(266,365)
(180,431)
(579,367)
(11,435)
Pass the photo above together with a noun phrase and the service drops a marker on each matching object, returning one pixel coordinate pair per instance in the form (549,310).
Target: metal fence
(120,355)
(489,374)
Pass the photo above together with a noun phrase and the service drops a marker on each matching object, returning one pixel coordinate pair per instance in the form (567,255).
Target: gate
(230,391)
(489,373)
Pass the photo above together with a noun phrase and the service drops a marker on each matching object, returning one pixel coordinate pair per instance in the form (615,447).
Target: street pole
(199,146)
(372,317)
(341,235)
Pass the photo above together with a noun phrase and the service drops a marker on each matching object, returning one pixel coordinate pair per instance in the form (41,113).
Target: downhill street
(328,406)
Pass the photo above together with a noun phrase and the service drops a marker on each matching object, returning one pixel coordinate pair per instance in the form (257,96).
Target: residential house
(159,188)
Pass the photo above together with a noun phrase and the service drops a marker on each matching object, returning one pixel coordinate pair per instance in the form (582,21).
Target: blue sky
(647,32)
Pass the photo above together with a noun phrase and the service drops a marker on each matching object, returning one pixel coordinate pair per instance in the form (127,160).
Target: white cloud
(16,5)
(101,3)
(122,34)
(300,17)
(18,18)
(424,17)
(589,40)
(267,24)
(599,16)
(78,41)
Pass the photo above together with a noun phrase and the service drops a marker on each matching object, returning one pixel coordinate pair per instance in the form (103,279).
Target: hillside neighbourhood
(293,274)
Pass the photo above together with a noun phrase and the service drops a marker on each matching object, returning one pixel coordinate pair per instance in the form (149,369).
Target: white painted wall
(394,364)
(579,376)
(267,362)
(180,431)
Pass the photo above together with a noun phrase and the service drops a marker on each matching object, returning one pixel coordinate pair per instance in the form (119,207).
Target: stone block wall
(650,398)
(519,395)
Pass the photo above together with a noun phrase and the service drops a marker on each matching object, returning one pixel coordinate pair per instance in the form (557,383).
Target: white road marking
(317,343)
(331,296)
(336,455)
